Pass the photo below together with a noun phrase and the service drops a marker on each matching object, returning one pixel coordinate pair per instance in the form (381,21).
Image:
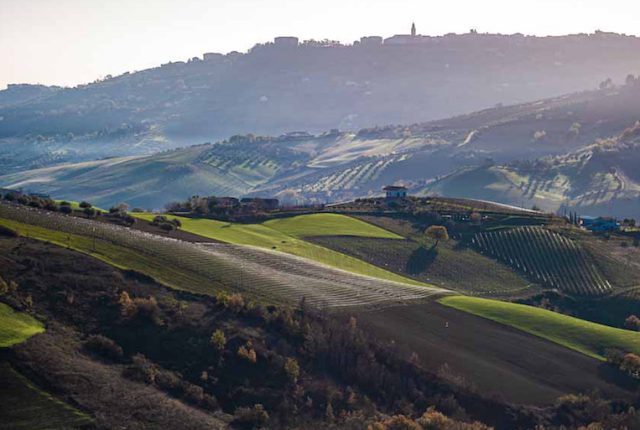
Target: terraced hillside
(599,178)
(210,268)
(546,257)
(476,156)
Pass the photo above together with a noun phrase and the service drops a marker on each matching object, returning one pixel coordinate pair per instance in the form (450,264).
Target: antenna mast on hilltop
(413,29)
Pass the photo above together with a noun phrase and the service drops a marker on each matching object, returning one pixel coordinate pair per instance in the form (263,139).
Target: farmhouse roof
(394,188)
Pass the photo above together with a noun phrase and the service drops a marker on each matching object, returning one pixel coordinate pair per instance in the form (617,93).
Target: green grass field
(16,327)
(118,256)
(262,235)
(583,336)
(328,225)
(24,406)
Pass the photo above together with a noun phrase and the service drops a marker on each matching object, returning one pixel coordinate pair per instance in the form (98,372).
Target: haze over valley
(431,230)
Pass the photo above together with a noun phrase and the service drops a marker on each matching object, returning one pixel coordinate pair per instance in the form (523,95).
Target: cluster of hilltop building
(399,39)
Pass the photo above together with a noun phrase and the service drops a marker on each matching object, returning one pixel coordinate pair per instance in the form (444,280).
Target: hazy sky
(67,42)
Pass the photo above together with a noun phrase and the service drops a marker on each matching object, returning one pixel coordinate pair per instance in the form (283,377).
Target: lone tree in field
(437,233)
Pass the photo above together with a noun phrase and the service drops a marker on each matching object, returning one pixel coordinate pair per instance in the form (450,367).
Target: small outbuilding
(395,191)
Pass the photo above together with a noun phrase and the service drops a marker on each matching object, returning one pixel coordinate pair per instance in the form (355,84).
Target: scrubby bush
(397,422)
(631,364)
(166,224)
(141,369)
(104,347)
(65,209)
(247,352)
(119,208)
(632,323)
(145,307)
(50,205)
(233,302)
(292,369)
(253,417)
(85,205)
(218,340)
(90,212)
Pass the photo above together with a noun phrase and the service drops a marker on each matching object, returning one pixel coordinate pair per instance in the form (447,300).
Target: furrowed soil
(493,358)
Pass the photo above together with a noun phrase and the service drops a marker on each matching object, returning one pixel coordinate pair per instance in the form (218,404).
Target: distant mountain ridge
(314,86)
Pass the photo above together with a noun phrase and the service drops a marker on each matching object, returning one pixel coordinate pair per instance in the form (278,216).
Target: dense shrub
(292,369)
(141,369)
(166,224)
(253,417)
(7,287)
(247,352)
(631,364)
(65,209)
(632,323)
(104,347)
(85,205)
(218,340)
(144,307)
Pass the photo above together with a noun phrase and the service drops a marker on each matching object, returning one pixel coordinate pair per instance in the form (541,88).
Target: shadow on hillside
(420,260)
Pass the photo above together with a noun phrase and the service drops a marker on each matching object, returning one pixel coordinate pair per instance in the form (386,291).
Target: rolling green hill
(328,225)
(586,337)
(264,236)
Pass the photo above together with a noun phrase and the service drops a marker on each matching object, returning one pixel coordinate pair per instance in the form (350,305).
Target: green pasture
(264,236)
(583,336)
(16,327)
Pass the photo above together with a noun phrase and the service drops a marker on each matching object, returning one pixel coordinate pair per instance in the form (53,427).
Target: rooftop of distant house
(394,188)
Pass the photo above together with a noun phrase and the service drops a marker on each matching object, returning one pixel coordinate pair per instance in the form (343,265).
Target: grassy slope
(588,338)
(583,336)
(23,406)
(16,327)
(263,236)
(328,225)
(117,256)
